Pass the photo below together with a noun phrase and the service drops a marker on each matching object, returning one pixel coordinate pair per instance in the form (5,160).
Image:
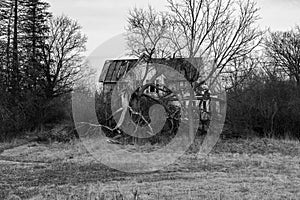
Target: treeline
(264,99)
(41,57)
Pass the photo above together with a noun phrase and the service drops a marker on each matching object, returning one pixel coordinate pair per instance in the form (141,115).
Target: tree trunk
(33,58)
(8,47)
(191,115)
(15,73)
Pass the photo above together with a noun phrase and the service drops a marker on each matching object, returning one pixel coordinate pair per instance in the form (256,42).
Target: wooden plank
(114,76)
(123,69)
(110,72)
(104,71)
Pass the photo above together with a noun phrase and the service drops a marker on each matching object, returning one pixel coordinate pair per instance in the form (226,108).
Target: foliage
(265,108)
(41,56)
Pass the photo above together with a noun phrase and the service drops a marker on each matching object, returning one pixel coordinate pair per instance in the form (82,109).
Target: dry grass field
(236,169)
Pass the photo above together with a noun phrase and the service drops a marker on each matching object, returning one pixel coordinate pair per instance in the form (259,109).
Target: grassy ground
(236,169)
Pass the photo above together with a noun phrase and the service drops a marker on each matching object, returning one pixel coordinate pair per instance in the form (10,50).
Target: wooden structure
(114,70)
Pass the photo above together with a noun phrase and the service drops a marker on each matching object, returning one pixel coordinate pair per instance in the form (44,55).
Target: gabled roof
(114,70)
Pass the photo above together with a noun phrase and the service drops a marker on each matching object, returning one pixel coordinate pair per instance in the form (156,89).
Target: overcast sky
(102,19)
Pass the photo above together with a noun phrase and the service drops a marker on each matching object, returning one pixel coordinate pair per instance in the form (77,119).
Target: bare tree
(147,31)
(241,70)
(219,31)
(283,52)
(63,57)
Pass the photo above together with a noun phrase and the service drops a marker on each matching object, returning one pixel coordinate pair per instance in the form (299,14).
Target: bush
(30,113)
(268,108)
